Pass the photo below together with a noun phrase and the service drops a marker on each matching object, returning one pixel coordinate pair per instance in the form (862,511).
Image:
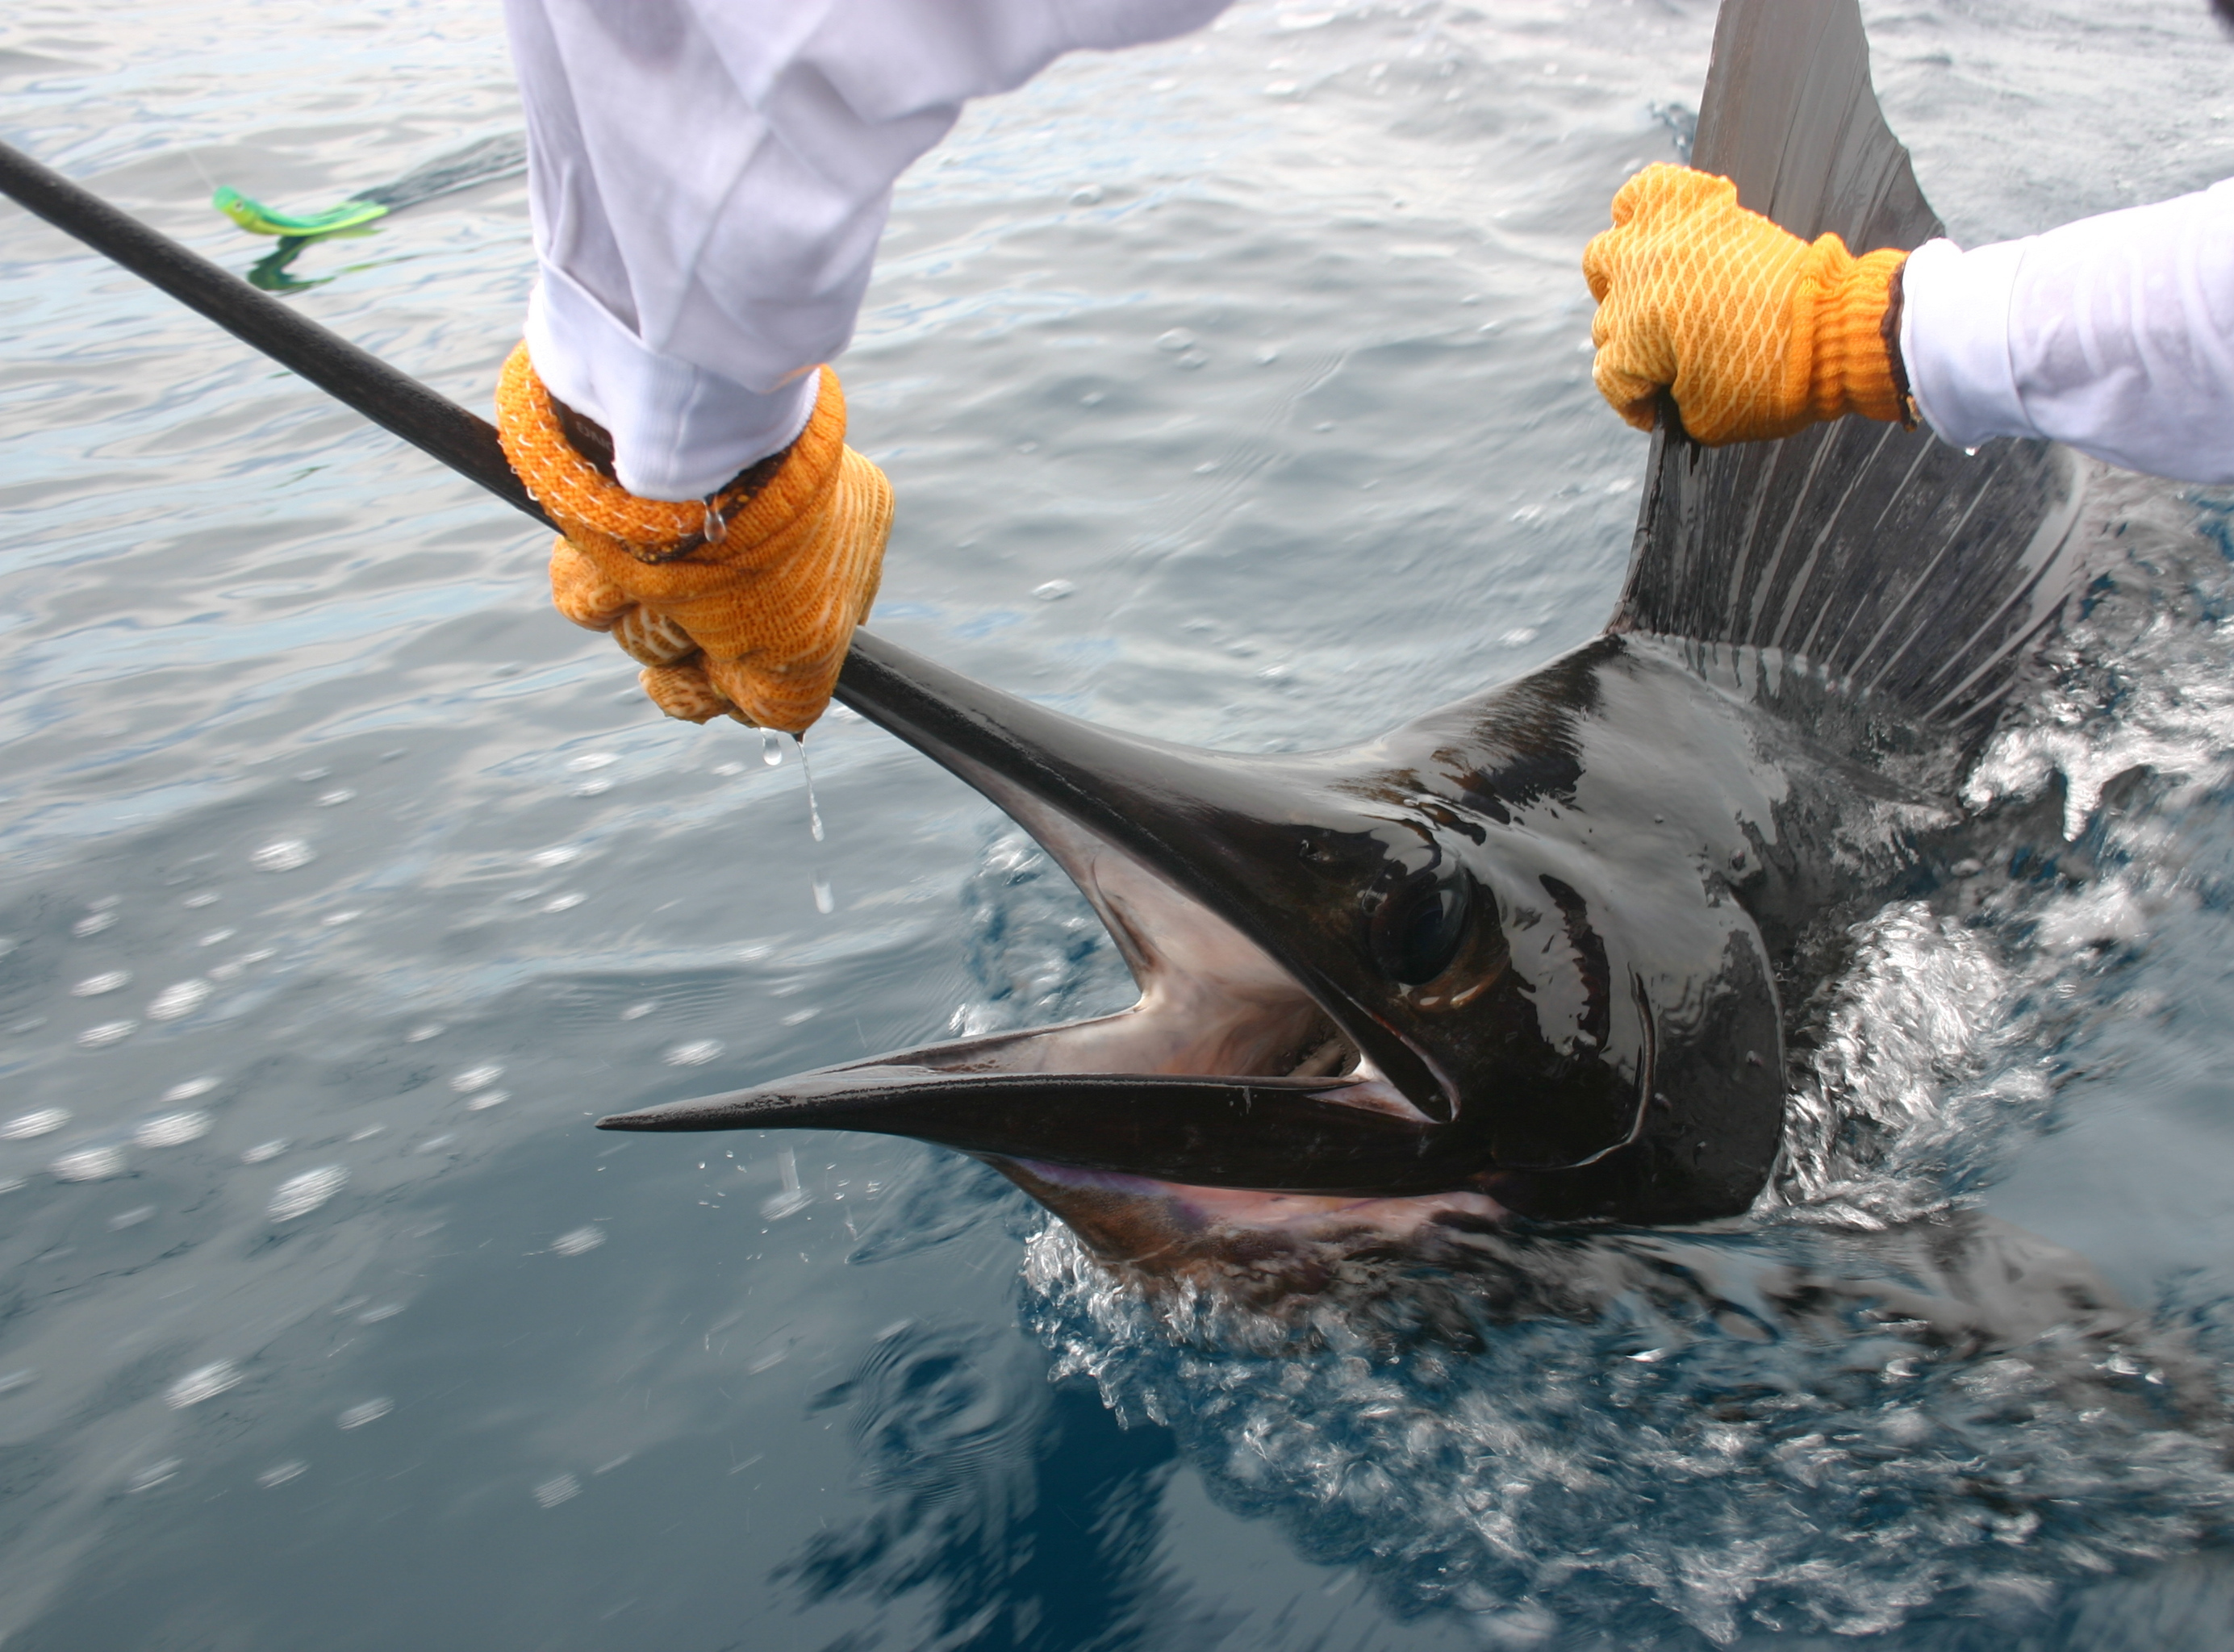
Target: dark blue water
(1235,390)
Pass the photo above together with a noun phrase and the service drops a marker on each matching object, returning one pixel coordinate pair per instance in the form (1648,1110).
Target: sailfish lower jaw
(1169,1170)
(1034,1098)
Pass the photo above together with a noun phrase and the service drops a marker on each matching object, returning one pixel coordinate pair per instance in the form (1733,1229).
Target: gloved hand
(1756,332)
(744,604)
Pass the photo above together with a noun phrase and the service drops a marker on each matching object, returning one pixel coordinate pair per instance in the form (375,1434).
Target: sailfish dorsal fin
(1892,565)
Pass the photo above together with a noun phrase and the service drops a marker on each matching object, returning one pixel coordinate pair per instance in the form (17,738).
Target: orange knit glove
(1756,332)
(744,605)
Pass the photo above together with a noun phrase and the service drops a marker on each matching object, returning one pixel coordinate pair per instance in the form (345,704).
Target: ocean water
(1234,389)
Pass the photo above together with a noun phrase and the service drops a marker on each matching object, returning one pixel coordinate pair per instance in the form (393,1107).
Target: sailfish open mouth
(1256,1057)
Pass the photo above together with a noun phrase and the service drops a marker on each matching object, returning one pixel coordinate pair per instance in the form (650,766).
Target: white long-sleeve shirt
(2115,335)
(707,180)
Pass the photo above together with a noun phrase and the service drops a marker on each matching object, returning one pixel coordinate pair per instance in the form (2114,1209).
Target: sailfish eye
(1416,928)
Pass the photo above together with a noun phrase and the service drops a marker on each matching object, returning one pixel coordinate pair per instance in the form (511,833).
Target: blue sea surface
(1234,390)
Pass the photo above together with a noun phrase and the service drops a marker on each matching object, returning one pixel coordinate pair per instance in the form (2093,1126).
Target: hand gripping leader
(1756,332)
(741,605)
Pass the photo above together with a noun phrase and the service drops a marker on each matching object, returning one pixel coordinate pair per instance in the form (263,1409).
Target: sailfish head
(1361,976)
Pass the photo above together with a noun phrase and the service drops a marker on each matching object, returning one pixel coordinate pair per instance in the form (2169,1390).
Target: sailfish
(1541,954)
(1538,953)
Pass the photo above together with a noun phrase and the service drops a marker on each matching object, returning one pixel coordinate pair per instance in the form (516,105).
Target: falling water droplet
(825,902)
(793,1198)
(771,748)
(813,809)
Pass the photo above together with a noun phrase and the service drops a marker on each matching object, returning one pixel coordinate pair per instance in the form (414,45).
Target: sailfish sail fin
(1895,565)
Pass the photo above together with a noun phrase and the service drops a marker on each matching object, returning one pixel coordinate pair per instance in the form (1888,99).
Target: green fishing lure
(259,219)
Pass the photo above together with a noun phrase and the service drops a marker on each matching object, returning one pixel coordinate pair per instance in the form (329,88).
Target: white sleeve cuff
(1955,340)
(679,432)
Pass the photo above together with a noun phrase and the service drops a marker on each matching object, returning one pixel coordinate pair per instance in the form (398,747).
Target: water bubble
(335,920)
(215,937)
(189,1090)
(264,1151)
(575,1243)
(108,981)
(172,1129)
(339,794)
(286,855)
(593,788)
(1052,590)
(155,1474)
(108,1032)
(589,761)
(300,1195)
(558,855)
(88,1165)
(371,1411)
(697,1053)
(43,1121)
(421,1035)
(279,1474)
(637,1012)
(552,1492)
(207,897)
(477,1078)
(487,1099)
(131,1219)
(566,902)
(91,923)
(181,998)
(205,1383)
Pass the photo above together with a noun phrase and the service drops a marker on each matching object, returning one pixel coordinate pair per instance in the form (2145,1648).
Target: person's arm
(2113,335)
(707,180)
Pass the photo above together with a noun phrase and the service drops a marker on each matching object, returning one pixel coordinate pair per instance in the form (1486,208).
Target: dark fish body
(1536,953)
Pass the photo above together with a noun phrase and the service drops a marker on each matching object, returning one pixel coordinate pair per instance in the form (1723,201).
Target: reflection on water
(1234,391)
(1023,1516)
(488,161)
